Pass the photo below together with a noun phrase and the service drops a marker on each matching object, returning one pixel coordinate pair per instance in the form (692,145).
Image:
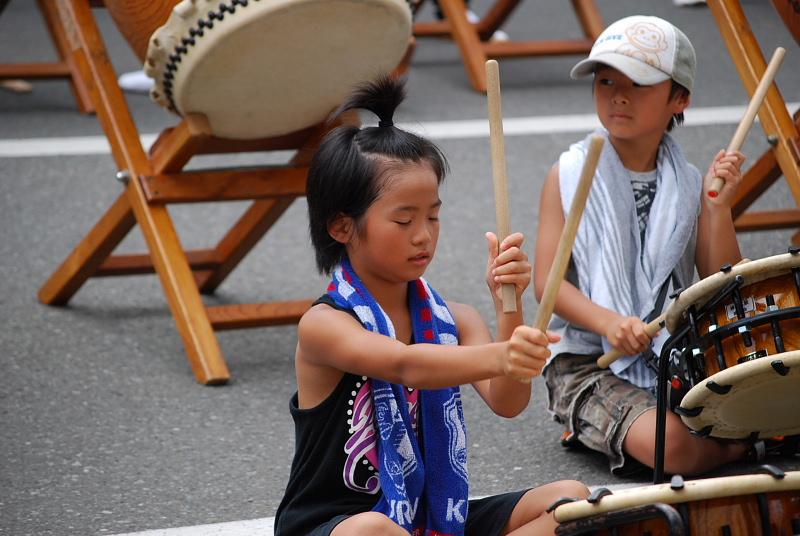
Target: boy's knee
(677,441)
(368,523)
(680,451)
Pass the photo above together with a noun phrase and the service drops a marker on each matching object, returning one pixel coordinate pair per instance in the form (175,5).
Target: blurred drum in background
(258,69)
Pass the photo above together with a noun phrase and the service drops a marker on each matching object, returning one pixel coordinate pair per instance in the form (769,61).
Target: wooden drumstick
(750,112)
(564,249)
(612,355)
(499,174)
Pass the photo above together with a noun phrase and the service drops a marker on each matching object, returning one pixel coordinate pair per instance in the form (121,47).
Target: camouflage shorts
(596,407)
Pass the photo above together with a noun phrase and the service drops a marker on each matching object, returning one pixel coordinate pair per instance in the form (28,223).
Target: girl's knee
(544,496)
(570,488)
(368,523)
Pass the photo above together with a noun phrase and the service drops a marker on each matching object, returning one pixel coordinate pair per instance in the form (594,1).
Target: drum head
(760,396)
(702,291)
(266,68)
(692,491)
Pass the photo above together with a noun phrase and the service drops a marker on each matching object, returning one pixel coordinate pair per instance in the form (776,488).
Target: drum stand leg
(65,68)
(661,420)
(781,131)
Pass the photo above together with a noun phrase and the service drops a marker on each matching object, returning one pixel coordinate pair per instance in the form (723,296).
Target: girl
(380,443)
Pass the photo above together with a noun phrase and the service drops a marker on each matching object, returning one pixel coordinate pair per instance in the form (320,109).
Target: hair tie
(388,123)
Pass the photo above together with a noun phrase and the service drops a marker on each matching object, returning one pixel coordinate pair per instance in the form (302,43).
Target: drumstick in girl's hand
(564,250)
(750,112)
(612,355)
(509,295)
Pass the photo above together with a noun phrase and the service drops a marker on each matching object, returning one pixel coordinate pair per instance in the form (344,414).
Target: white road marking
(436,130)
(262,527)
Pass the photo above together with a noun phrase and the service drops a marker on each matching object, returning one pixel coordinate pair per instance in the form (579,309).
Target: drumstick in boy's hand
(564,250)
(750,113)
(509,294)
(651,329)
(612,355)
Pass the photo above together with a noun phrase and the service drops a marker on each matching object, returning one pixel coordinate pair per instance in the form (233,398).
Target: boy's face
(630,111)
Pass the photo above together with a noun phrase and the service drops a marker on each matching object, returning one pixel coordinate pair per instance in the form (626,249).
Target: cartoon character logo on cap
(645,42)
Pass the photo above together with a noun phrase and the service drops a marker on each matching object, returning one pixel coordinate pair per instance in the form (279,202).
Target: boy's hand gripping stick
(612,355)
(651,329)
(750,112)
(564,249)
(509,294)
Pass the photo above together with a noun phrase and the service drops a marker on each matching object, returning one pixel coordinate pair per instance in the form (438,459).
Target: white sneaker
(136,82)
(16,86)
(499,35)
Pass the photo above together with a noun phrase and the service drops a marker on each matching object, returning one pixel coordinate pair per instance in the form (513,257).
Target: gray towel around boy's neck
(612,270)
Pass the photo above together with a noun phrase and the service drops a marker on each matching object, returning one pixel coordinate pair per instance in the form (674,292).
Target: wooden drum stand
(783,133)
(475,44)
(157,178)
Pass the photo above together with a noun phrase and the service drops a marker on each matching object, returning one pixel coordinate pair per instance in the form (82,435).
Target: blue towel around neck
(424,487)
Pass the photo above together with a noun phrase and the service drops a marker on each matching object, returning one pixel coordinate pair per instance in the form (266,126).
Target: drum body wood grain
(138,19)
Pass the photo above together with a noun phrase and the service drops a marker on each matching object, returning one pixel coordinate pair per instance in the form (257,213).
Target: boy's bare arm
(571,304)
(716,236)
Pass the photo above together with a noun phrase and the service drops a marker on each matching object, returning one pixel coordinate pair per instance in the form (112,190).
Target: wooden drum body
(734,350)
(744,505)
(136,20)
(731,347)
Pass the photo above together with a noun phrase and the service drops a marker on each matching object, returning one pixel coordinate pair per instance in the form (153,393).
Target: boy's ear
(681,101)
(341,228)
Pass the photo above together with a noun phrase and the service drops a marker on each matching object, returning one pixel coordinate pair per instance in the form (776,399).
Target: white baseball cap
(648,50)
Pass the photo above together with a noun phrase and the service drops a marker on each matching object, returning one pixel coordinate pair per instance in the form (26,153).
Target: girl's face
(397,236)
(630,111)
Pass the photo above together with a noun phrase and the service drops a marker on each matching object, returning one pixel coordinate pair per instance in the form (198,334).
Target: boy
(648,223)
